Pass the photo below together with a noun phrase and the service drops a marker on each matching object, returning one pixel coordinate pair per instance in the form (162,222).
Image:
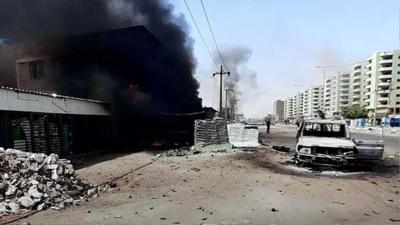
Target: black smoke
(133,71)
(242,80)
(7,66)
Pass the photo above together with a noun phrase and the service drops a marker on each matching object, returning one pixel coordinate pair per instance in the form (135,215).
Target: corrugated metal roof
(54,95)
(12,99)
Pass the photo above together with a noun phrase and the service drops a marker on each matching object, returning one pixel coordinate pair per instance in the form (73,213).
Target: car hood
(325,142)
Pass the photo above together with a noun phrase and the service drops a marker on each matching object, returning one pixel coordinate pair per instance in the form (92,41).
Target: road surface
(254,187)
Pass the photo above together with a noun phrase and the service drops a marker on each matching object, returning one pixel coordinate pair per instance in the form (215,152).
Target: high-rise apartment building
(279,110)
(345,94)
(373,83)
(382,84)
(337,94)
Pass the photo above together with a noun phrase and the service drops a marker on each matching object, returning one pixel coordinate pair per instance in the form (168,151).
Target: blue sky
(287,40)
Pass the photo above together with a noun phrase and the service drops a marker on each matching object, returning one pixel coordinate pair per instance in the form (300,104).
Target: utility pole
(226,102)
(221,73)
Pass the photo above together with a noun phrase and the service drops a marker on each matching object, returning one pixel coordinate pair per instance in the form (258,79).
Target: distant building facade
(279,110)
(373,84)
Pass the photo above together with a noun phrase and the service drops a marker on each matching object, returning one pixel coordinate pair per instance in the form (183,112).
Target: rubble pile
(35,181)
(185,151)
(210,132)
(199,149)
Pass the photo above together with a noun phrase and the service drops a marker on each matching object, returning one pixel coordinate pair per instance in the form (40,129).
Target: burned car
(325,142)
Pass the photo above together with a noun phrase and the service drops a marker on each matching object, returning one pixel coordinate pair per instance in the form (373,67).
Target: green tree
(354,112)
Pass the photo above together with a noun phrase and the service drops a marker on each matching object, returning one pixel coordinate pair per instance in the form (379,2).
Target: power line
(201,36)
(212,34)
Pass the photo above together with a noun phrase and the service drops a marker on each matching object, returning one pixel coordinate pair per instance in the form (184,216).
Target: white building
(382,84)
(337,94)
(373,83)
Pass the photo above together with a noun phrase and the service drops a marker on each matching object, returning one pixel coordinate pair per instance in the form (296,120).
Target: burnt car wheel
(296,160)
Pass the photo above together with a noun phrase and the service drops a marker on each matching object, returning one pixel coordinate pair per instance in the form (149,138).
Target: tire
(296,160)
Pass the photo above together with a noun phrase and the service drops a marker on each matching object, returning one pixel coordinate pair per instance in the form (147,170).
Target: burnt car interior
(325,130)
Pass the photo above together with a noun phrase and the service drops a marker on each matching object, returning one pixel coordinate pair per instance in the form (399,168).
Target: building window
(398,95)
(36,70)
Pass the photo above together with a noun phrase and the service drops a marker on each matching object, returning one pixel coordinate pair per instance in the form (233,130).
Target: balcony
(358,83)
(368,72)
(382,106)
(383,84)
(357,90)
(385,76)
(344,78)
(384,69)
(386,61)
(383,99)
(356,96)
(355,103)
(343,94)
(368,65)
(386,54)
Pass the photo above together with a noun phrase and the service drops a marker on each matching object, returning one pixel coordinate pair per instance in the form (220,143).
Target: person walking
(268,122)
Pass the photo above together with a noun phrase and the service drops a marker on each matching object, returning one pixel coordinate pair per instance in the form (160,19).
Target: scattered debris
(199,149)
(195,169)
(394,220)
(35,181)
(373,182)
(341,203)
(281,148)
(274,210)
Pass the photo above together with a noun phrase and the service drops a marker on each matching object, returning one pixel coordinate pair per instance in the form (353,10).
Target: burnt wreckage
(150,89)
(328,142)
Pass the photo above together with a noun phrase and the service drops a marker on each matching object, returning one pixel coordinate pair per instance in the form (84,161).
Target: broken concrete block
(11,190)
(14,207)
(38,181)
(33,192)
(26,202)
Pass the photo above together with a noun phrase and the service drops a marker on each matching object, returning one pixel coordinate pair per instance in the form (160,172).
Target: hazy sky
(287,39)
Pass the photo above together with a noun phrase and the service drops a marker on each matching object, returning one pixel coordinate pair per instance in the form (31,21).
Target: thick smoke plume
(242,80)
(155,81)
